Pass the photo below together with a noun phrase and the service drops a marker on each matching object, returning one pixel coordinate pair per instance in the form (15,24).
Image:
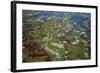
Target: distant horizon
(59,14)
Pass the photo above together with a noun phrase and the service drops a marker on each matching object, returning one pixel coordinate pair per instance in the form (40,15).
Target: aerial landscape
(55,36)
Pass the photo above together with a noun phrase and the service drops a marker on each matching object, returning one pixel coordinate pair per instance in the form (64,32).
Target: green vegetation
(55,36)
